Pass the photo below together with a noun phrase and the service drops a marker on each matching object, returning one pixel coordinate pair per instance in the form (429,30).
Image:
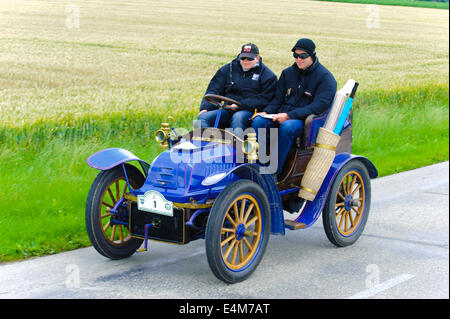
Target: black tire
(343,219)
(111,239)
(235,243)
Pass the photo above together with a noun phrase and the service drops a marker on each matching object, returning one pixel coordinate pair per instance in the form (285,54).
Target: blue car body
(194,173)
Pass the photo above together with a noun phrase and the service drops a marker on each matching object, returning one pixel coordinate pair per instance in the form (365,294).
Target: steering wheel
(220,100)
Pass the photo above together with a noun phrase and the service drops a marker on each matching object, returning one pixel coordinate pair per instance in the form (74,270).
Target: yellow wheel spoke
(357,212)
(351,218)
(121,233)
(340,212)
(113,233)
(241,252)
(235,250)
(227,230)
(352,185)
(247,243)
(106,204)
(356,189)
(225,256)
(250,208)
(251,221)
(236,212)
(111,195)
(250,233)
(342,219)
(346,221)
(230,220)
(241,215)
(224,242)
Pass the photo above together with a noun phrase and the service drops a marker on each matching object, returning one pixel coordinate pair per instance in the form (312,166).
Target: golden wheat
(159,55)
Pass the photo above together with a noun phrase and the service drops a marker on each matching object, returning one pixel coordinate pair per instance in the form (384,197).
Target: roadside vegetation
(440,4)
(67,92)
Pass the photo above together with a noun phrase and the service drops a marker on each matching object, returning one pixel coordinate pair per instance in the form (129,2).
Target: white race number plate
(154,202)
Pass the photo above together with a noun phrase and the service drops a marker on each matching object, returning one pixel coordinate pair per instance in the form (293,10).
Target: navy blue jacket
(303,92)
(254,88)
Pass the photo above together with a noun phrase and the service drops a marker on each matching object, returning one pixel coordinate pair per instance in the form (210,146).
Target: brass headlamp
(250,147)
(162,135)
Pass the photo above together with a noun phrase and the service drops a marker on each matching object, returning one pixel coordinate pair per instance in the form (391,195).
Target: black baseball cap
(249,50)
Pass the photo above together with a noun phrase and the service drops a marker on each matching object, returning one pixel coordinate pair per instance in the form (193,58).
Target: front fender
(267,182)
(313,209)
(111,157)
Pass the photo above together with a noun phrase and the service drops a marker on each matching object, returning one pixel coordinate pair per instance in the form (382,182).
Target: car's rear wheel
(237,231)
(347,207)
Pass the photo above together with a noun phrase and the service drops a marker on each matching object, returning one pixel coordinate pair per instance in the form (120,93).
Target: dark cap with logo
(306,45)
(249,50)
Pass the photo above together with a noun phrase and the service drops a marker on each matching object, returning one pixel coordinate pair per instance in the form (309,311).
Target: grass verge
(404,3)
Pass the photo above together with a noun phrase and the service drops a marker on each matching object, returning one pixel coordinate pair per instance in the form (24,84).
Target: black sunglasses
(301,55)
(244,57)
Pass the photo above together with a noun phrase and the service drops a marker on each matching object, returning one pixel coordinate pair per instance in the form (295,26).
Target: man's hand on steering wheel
(223,101)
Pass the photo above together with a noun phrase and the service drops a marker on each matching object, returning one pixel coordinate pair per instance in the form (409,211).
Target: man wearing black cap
(304,88)
(245,79)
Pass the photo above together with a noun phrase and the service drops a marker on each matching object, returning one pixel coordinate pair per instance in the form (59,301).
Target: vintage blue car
(209,184)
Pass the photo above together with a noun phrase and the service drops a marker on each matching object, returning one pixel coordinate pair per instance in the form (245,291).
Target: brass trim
(208,139)
(192,206)
(325,146)
(309,190)
(130,197)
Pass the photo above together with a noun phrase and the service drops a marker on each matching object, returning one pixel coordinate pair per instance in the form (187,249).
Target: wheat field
(62,60)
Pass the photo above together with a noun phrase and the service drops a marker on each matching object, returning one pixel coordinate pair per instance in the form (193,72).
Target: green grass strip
(45,179)
(404,3)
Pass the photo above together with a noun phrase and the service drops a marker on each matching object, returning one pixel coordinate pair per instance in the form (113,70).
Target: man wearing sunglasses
(245,79)
(304,88)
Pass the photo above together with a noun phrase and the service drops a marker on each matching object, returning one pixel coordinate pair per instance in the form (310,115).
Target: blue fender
(111,157)
(313,209)
(267,182)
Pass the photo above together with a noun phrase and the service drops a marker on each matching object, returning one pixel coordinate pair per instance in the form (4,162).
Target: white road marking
(382,287)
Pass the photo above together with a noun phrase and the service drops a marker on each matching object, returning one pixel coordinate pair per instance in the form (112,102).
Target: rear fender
(112,157)
(313,209)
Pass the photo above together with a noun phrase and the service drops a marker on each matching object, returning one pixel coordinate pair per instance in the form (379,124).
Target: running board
(293,225)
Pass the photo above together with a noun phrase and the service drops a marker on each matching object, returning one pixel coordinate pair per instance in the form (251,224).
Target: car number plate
(154,202)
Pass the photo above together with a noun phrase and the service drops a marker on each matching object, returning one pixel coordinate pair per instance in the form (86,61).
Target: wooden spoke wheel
(348,204)
(241,231)
(106,218)
(237,231)
(114,226)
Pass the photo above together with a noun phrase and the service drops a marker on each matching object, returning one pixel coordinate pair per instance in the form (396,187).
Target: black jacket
(254,88)
(301,93)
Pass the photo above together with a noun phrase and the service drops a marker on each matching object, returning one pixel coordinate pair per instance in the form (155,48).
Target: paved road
(403,253)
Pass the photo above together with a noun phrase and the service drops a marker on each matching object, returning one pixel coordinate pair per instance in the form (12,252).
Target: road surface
(403,253)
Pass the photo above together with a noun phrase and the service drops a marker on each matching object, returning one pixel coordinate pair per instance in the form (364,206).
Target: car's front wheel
(237,231)
(109,232)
